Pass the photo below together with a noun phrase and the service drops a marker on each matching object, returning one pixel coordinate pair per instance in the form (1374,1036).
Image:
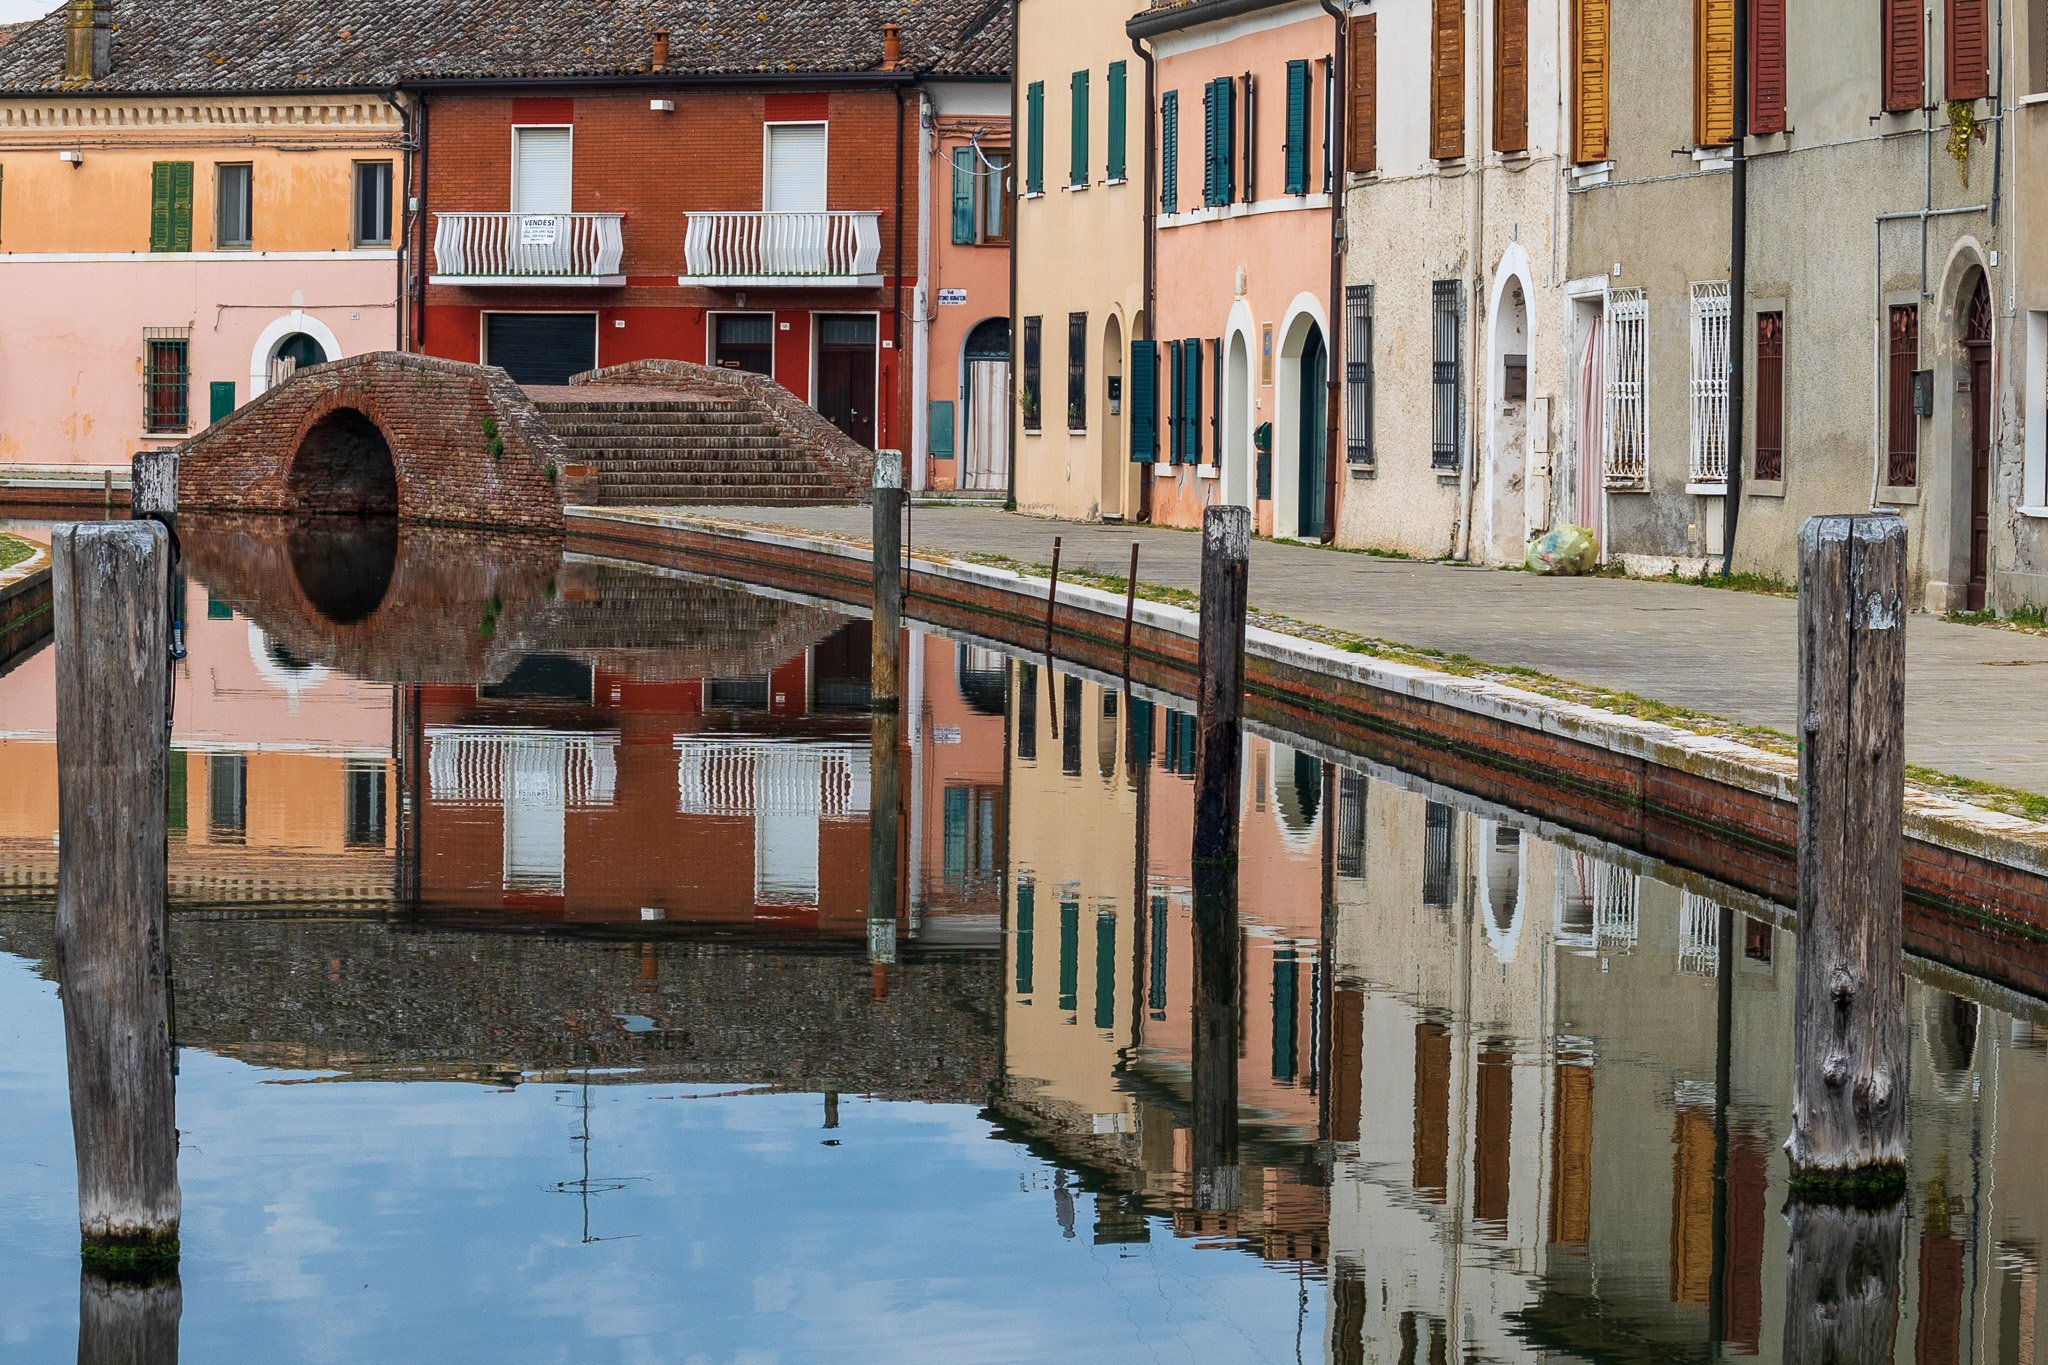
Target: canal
(528,1007)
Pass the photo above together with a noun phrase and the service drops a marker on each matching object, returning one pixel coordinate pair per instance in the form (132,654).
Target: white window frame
(1625,462)
(1710,339)
(768,158)
(220,169)
(355,206)
(2034,485)
(512,181)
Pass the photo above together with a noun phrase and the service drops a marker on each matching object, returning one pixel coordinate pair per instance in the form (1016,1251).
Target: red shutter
(1361,140)
(1969,50)
(1905,55)
(1767,66)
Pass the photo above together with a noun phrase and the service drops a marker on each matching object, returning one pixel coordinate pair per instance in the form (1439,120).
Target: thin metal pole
(1052,595)
(1130,608)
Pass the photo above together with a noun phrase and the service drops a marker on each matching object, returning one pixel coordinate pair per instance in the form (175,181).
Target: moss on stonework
(1880,1184)
(134,1254)
(13,550)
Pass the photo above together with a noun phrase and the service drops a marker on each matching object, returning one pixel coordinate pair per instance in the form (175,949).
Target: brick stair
(672,450)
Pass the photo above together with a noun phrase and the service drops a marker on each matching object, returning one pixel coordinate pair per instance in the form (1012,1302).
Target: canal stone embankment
(24,602)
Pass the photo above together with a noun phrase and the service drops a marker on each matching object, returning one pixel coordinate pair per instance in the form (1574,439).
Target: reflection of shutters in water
(1571,1153)
(1495,1104)
(1699,935)
(1432,1109)
(1439,822)
(1692,1203)
(536,791)
(1351,793)
(788,790)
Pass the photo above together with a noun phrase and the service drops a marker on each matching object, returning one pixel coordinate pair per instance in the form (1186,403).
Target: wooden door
(1314,419)
(1977,353)
(846,375)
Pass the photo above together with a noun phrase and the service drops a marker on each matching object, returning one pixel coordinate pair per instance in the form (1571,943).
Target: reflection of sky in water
(362,1221)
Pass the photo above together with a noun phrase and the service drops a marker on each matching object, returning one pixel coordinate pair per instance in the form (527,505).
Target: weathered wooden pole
(886,685)
(884,843)
(111,585)
(1219,696)
(1219,987)
(1130,608)
(1848,1143)
(129,1319)
(1842,1289)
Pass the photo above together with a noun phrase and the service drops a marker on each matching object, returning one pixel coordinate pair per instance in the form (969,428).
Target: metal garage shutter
(541,348)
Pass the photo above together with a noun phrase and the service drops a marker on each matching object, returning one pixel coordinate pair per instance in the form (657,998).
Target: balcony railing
(528,248)
(763,249)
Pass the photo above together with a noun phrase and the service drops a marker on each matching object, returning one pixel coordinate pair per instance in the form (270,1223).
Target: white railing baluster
(828,246)
(536,246)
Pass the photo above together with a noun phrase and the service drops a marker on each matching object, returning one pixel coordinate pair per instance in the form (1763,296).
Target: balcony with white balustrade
(567,249)
(766,249)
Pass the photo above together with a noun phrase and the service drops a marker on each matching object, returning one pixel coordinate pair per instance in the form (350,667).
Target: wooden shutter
(1034,138)
(1226,139)
(1511,75)
(1766,66)
(1177,438)
(1713,72)
(1191,368)
(1447,80)
(1209,143)
(1297,127)
(1905,55)
(963,196)
(1969,50)
(1169,152)
(170,206)
(1361,139)
(1078,173)
(1144,402)
(1590,54)
(1216,398)
(1113,120)
(940,426)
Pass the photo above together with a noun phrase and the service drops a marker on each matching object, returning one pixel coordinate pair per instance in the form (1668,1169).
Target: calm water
(530,1008)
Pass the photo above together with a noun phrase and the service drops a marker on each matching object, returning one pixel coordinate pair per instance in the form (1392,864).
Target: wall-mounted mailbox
(1514,384)
(1923,393)
(1116,395)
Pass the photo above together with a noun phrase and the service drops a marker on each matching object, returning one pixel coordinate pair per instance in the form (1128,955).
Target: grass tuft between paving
(13,550)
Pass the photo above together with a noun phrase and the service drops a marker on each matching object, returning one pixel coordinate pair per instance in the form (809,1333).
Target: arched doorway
(1111,498)
(294,353)
(1507,518)
(1976,330)
(1313,400)
(1237,423)
(344,468)
(986,467)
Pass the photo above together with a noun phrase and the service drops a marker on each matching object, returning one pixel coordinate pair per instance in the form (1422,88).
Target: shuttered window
(963,196)
(1177,430)
(1511,75)
(1905,55)
(1969,50)
(1034,138)
(543,168)
(1297,128)
(1077,173)
(1219,172)
(1358,447)
(1144,402)
(1169,152)
(1447,375)
(1034,329)
(1447,80)
(1770,396)
(1902,441)
(1361,138)
(1191,406)
(1077,372)
(1116,97)
(1590,53)
(1626,395)
(1710,382)
(1766,66)
(1713,72)
(1247,181)
(170,206)
(1216,399)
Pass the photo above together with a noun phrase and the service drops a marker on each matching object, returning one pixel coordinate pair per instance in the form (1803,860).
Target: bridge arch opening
(344,467)
(343,568)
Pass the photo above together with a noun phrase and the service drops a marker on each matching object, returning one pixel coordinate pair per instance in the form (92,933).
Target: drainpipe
(401,228)
(420,219)
(1738,290)
(921,361)
(1150,209)
(1014,437)
(896,288)
(1476,415)
(1335,149)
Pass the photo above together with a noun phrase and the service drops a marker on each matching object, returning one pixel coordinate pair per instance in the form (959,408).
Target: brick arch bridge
(383,434)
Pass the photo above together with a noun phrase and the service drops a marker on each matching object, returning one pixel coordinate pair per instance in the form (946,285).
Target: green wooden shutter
(1144,402)
(1114,119)
(220,399)
(1078,174)
(177,191)
(160,206)
(940,440)
(1209,144)
(1216,397)
(1034,138)
(1297,128)
(1226,130)
(1169,152)
(963,196)
(1178,443)
(1193,368)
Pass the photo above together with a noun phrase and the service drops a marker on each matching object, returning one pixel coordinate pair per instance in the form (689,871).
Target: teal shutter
(1226,139)
(940,438)
(1105,972)
(963,196)
(1027,896)
(1174,387)
(1144,402)
(1209,144)
(1034,138)
(1297,128)
(1194,404)
(1078,174)
(220,399)
(1216,397)
(1070,954)
(1116,165)
(1169,152)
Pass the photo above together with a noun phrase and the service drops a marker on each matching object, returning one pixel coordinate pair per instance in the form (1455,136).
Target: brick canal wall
(465,445)
(1976,881)
(24,608)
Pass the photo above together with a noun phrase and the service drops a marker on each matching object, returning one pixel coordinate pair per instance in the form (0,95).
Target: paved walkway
(1976,697)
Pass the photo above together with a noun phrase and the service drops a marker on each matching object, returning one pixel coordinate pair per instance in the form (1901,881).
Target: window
(1114,117)
(543,165)
(1077,372)
(1447,375)
(1361,139)
(1905,55)
(1766,66)
(1033,327)
(1034,138)
(1627,401)
(1589,80)
(1144,402)
(796,169)
(1968,43)
(373,203)
(1169,152)
(1297,128)
(1770,396)
(1713,73)
(1511,75)
(1710,382)
(1219,103)
(1077,173)
(1447,80)
(227,798)
(232,216)
(980,196)
(364,816)
(1903,427)
(1358,447)
(170,206)
(1439,855)
(166,379)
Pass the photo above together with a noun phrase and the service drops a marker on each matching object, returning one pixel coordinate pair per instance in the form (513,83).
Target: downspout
(896,291)
(1150,210)
(1476,423)
(420,219)
(401,233)
(1016,204)
(1738,290)
(921,320)
(1334,148)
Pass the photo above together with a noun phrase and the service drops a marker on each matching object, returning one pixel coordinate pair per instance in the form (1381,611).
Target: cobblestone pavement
(1730,654)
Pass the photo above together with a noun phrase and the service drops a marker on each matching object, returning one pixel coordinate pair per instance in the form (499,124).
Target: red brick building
(741,188)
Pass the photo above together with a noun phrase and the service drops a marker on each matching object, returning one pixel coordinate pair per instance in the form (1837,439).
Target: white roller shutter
(542,167)
(796,168)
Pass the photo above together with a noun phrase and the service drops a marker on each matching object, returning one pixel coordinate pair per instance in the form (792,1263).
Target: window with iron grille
(1028,399)
(1710,382)
(1439,861)
(1447,374)
(1902,443)
(1770,396)
(1077,372)
(166,379)
(1627,399)
(1358,447)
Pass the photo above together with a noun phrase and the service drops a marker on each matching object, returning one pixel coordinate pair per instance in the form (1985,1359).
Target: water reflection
(1454,1084)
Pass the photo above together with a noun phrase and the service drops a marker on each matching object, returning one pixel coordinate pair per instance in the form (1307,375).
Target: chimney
(88,40)
(661,49)
(892,46)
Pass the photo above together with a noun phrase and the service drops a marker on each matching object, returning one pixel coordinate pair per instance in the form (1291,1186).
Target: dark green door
(1315,364)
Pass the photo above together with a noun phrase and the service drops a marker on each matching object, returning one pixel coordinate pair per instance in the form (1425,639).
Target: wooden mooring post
(111,585)
(886,677)
(1130,608)
(885,836)
(1219,695)
(1848,1142)
(129,1319)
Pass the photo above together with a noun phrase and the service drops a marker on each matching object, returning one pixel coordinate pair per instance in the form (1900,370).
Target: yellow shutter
(1590,59)
(1714,73)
